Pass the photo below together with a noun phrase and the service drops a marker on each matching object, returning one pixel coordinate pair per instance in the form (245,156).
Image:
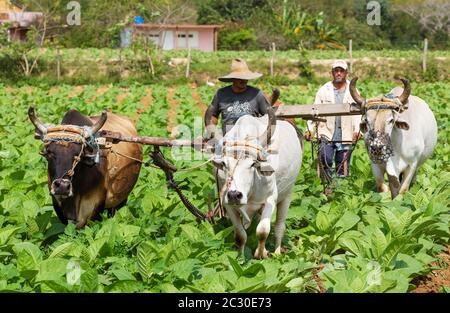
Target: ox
(400,133)
(84,179)
(258,162)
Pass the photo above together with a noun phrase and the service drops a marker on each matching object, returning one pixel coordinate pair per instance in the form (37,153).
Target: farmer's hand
(356,137)
(209,132)
(309,135)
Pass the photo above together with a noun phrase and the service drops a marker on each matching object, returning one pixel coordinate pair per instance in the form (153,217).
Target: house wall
(201,39)
(206,40)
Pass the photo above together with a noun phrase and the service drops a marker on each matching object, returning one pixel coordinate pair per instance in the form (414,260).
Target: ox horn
(354,93)
(36,122)
(96,127)
(265,138)
(406,91)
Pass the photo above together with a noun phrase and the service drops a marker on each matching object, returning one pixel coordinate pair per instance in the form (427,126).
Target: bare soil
(173,104)
(120,97)
(76,91)
(146,102)
(438,278)
(99,92)
(53,91)
(198,100)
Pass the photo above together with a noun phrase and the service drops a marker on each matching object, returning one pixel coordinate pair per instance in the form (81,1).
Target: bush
(237,39)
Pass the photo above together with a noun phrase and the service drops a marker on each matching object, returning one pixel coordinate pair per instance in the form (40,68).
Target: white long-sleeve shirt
(349,124)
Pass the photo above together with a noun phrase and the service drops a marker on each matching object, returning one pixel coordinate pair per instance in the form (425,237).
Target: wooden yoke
(315,111)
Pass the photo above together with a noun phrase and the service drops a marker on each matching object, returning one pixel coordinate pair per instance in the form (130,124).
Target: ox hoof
(259,256)
(278,251)
(383,188)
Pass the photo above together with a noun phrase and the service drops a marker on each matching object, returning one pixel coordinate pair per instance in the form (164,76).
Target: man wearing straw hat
(235,100)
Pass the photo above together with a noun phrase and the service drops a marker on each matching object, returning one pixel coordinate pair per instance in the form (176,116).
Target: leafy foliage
(358,241)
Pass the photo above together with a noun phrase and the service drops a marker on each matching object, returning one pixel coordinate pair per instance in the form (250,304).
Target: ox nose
(376,149)
(234,196)
(61,187)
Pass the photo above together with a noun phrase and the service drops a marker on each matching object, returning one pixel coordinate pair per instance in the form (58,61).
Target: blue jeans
(340,153)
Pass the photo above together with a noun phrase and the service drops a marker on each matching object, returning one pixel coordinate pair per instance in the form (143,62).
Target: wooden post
(215,38)
(58,64)
(272,60)
(424,56)
(350,51)
(120,60)
(188,65)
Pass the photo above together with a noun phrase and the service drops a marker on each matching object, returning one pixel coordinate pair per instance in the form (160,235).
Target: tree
(28,52)
(432,15)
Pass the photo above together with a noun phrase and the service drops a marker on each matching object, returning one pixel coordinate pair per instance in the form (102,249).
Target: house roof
(175,26)
(9,5)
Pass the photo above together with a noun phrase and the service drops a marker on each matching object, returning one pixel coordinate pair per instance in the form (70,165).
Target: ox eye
(391,121)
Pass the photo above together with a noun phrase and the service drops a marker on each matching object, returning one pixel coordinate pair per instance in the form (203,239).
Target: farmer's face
(339,75)
(240,84)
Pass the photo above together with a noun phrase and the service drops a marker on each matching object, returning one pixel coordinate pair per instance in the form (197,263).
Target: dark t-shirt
(234,105)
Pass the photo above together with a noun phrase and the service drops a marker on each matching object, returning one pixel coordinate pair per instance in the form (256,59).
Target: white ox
(259,161)
(400,134)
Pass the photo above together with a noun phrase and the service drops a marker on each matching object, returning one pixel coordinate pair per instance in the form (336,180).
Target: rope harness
(378,144)
(72,134)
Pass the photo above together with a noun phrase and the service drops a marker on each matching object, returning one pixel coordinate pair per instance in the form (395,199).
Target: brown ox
(83,178)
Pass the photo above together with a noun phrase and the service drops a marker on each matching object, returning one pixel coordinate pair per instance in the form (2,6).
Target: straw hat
(239,70)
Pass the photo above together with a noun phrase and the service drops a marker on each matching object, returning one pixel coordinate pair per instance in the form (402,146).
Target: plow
(315,112)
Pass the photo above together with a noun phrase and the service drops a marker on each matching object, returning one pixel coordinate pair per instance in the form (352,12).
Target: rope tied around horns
(72,134)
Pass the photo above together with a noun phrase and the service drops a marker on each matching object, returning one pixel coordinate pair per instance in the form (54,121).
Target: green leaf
(224,233)
(379,241)
(346,222)
(145,257)
(392,250)
(95,247)
(122,274)
(88,279)
(124,286)
(6,233)
(191,232)
(61,250)
(296,284)
(253,270)
(52,269)
(322,221)
(28,258)
(184,268)
(393,222)
(236,266)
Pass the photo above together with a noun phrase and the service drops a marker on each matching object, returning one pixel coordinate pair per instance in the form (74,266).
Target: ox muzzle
(234,197)
(379,146)
(62,187)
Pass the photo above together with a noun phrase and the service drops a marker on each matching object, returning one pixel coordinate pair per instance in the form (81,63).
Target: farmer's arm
(262,103)
(212,117)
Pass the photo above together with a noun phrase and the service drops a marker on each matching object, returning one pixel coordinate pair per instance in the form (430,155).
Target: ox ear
(363,126)
(264,168)
(402,124)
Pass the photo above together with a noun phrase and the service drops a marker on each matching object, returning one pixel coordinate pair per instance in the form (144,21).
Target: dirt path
(120,97)
(99,92)
(76,91)
(438,278)
(53,91)
(198,100)
(146,102)
(173,104)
